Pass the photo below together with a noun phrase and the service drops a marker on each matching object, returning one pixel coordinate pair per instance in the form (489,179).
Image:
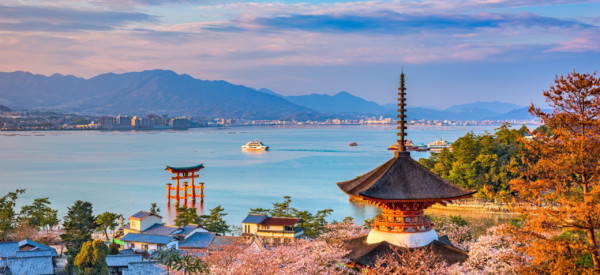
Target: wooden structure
(402,188)
(189,188)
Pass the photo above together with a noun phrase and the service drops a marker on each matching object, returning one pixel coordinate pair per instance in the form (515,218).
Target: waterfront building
(147,233)
(180,123)
(402,188)
(272,230)
(107,122)
(123,122)
(140,123)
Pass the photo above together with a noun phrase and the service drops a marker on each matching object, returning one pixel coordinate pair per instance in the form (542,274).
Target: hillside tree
(7,213)
(559,187)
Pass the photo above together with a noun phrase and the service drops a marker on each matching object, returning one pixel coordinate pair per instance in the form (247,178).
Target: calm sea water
(123,172)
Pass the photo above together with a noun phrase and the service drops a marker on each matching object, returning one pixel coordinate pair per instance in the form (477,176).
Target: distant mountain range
(165,92)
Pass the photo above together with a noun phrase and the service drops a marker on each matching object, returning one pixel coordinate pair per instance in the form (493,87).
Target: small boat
(409,147)
(255,145)
(438,145)
(407,143)
(354,144)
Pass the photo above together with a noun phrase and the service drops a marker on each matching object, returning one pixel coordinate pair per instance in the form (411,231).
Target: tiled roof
(146,238)
(189,228)
(197,240)
(223,240)
(280,221)
(122,260)
(159,229)
(29,265)
(35,253)
(367,254)
(144,268)
(141,215)
(128,251)
(257,219)
(8,249)
(38,246)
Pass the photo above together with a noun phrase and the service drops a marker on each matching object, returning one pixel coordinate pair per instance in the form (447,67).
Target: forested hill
(157,91)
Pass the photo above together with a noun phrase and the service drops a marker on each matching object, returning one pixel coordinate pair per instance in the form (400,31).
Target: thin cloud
(393,23)
(24,18)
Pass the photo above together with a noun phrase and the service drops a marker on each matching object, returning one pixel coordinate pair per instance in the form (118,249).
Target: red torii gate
(184,173)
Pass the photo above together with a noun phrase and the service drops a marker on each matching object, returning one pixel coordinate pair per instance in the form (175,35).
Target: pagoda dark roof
(402,178)
(185,169)
(365,254)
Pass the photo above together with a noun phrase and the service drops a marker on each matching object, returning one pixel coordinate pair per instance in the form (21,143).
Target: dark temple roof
(185,169)
(365,254)
(402,178)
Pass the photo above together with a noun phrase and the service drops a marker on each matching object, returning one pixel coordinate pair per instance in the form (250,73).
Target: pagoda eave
(440,200)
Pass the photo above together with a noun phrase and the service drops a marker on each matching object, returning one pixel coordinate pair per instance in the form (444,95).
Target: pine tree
(187,216)
(215,222)
(105,221)
(39,214)
(78,225)
(559,187)
(7,213)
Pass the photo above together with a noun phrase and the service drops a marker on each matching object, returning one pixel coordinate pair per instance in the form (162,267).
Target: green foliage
(78,225)
(8,214)
(458,220)
(154,209)
(189,264)
(368,223)
(486,162)
(91,260)
(113,248)
(187,216)
(215,222)
(107,220)
(39,214)
(313,223)
(585,260)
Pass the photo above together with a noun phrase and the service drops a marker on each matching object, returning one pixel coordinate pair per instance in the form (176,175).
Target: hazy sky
(452,51)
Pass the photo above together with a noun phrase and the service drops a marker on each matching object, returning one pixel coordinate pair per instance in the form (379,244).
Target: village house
(26,257)
(147,233)
(272,230)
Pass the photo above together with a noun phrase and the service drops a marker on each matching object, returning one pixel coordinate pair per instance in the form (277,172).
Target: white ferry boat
(438,145)
(255,146)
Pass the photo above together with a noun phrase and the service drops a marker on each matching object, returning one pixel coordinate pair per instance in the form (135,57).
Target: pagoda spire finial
(402,118)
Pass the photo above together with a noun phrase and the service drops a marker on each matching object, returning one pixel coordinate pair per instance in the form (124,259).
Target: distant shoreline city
(41,121)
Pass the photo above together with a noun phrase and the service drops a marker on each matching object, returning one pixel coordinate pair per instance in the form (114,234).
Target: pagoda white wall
(417,239)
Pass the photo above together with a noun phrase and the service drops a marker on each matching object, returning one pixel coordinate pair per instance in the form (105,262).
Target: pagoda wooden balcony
(405,224)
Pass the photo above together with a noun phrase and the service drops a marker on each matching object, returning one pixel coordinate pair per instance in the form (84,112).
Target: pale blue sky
(453,51)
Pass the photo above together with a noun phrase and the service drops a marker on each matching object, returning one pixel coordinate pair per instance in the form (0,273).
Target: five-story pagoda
(402,188)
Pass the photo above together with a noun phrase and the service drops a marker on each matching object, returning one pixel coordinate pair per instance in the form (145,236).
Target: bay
(123,172)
